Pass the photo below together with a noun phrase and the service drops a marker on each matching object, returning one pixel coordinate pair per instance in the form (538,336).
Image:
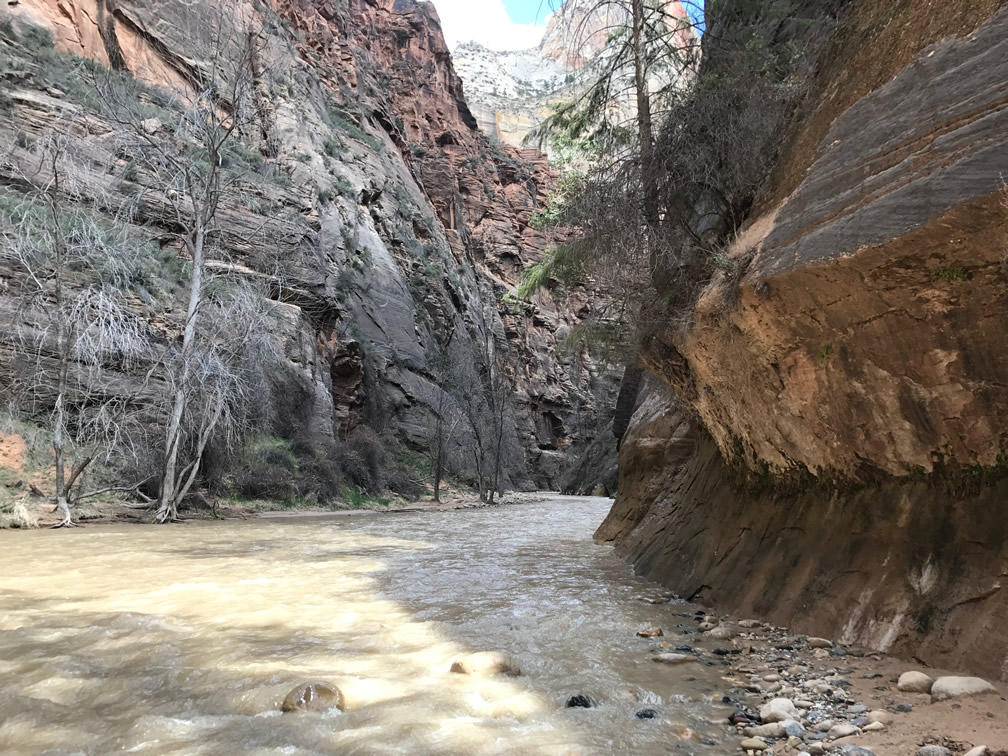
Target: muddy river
(184,639)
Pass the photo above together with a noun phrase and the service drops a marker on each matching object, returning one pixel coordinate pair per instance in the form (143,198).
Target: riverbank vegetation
(145,363)
(662,157)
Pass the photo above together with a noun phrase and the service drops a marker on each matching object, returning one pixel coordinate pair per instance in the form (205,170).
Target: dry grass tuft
(14,514)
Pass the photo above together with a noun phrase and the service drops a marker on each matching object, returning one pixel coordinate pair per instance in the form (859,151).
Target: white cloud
(486,22)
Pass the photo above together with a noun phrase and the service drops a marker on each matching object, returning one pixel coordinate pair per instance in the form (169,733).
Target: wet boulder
(314,696)
(486,664)
(580,701)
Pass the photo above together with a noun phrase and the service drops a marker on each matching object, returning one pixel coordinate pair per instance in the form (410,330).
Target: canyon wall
(398,221)
(835,456)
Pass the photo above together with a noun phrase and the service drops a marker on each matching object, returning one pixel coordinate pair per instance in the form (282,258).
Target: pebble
(857,709)
(879,717)
(793,729)
(959,687)
(825,725)
(673,658)
(904,708)
(933,750)
(753,744)
(816,749)
(778,710)
(771,678)
(801,703)
(838,651)
(914,682)
(842,731)
(769,730)
(873,727)
(819,643)
(721,632)
(853,750)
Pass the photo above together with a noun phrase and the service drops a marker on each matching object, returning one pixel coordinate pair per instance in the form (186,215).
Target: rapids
(185,639)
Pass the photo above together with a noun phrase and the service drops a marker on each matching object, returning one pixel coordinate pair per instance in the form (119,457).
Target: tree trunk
(169,499)
(437,464)
(63,352)
(645,135)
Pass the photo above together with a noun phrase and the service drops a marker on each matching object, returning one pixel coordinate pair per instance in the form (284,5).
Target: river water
(185,639)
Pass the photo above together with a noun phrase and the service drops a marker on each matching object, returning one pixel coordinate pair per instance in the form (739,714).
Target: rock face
(401,223)
(835,459)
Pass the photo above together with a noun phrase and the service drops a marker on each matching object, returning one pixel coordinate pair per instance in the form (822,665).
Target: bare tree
(447,415)
(76,326)
(188,167)
(482,391)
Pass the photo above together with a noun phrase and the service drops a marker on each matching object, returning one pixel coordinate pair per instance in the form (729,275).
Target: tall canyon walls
(835,456)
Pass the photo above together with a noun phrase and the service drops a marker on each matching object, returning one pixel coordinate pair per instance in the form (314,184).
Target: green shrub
(343,186)
(268,470)
(950,273)
(340,121)
(239,155)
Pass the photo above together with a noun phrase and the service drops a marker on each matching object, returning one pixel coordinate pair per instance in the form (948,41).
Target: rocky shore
(792,694)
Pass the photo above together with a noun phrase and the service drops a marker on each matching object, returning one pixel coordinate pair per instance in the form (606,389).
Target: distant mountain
(511,92)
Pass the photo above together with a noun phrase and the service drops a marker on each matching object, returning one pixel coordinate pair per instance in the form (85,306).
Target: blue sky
(534,11)
(505,24)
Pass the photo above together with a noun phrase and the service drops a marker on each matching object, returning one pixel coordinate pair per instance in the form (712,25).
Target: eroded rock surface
(857,390)
(399,221)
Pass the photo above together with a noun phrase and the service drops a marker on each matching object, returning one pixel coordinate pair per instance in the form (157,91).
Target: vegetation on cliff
(303,250)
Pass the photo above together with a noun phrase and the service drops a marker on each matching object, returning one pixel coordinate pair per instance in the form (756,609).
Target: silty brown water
(185,639)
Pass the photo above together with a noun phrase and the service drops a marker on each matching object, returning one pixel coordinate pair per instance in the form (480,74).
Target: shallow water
(185,639)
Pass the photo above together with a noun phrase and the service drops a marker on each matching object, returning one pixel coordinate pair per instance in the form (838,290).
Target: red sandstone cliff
(859,388)
(360,96)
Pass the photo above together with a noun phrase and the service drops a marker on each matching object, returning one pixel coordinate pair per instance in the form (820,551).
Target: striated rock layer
(400,222)
(859,386)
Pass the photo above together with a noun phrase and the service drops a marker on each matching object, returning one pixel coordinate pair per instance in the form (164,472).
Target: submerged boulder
(485,664)
(314,696)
